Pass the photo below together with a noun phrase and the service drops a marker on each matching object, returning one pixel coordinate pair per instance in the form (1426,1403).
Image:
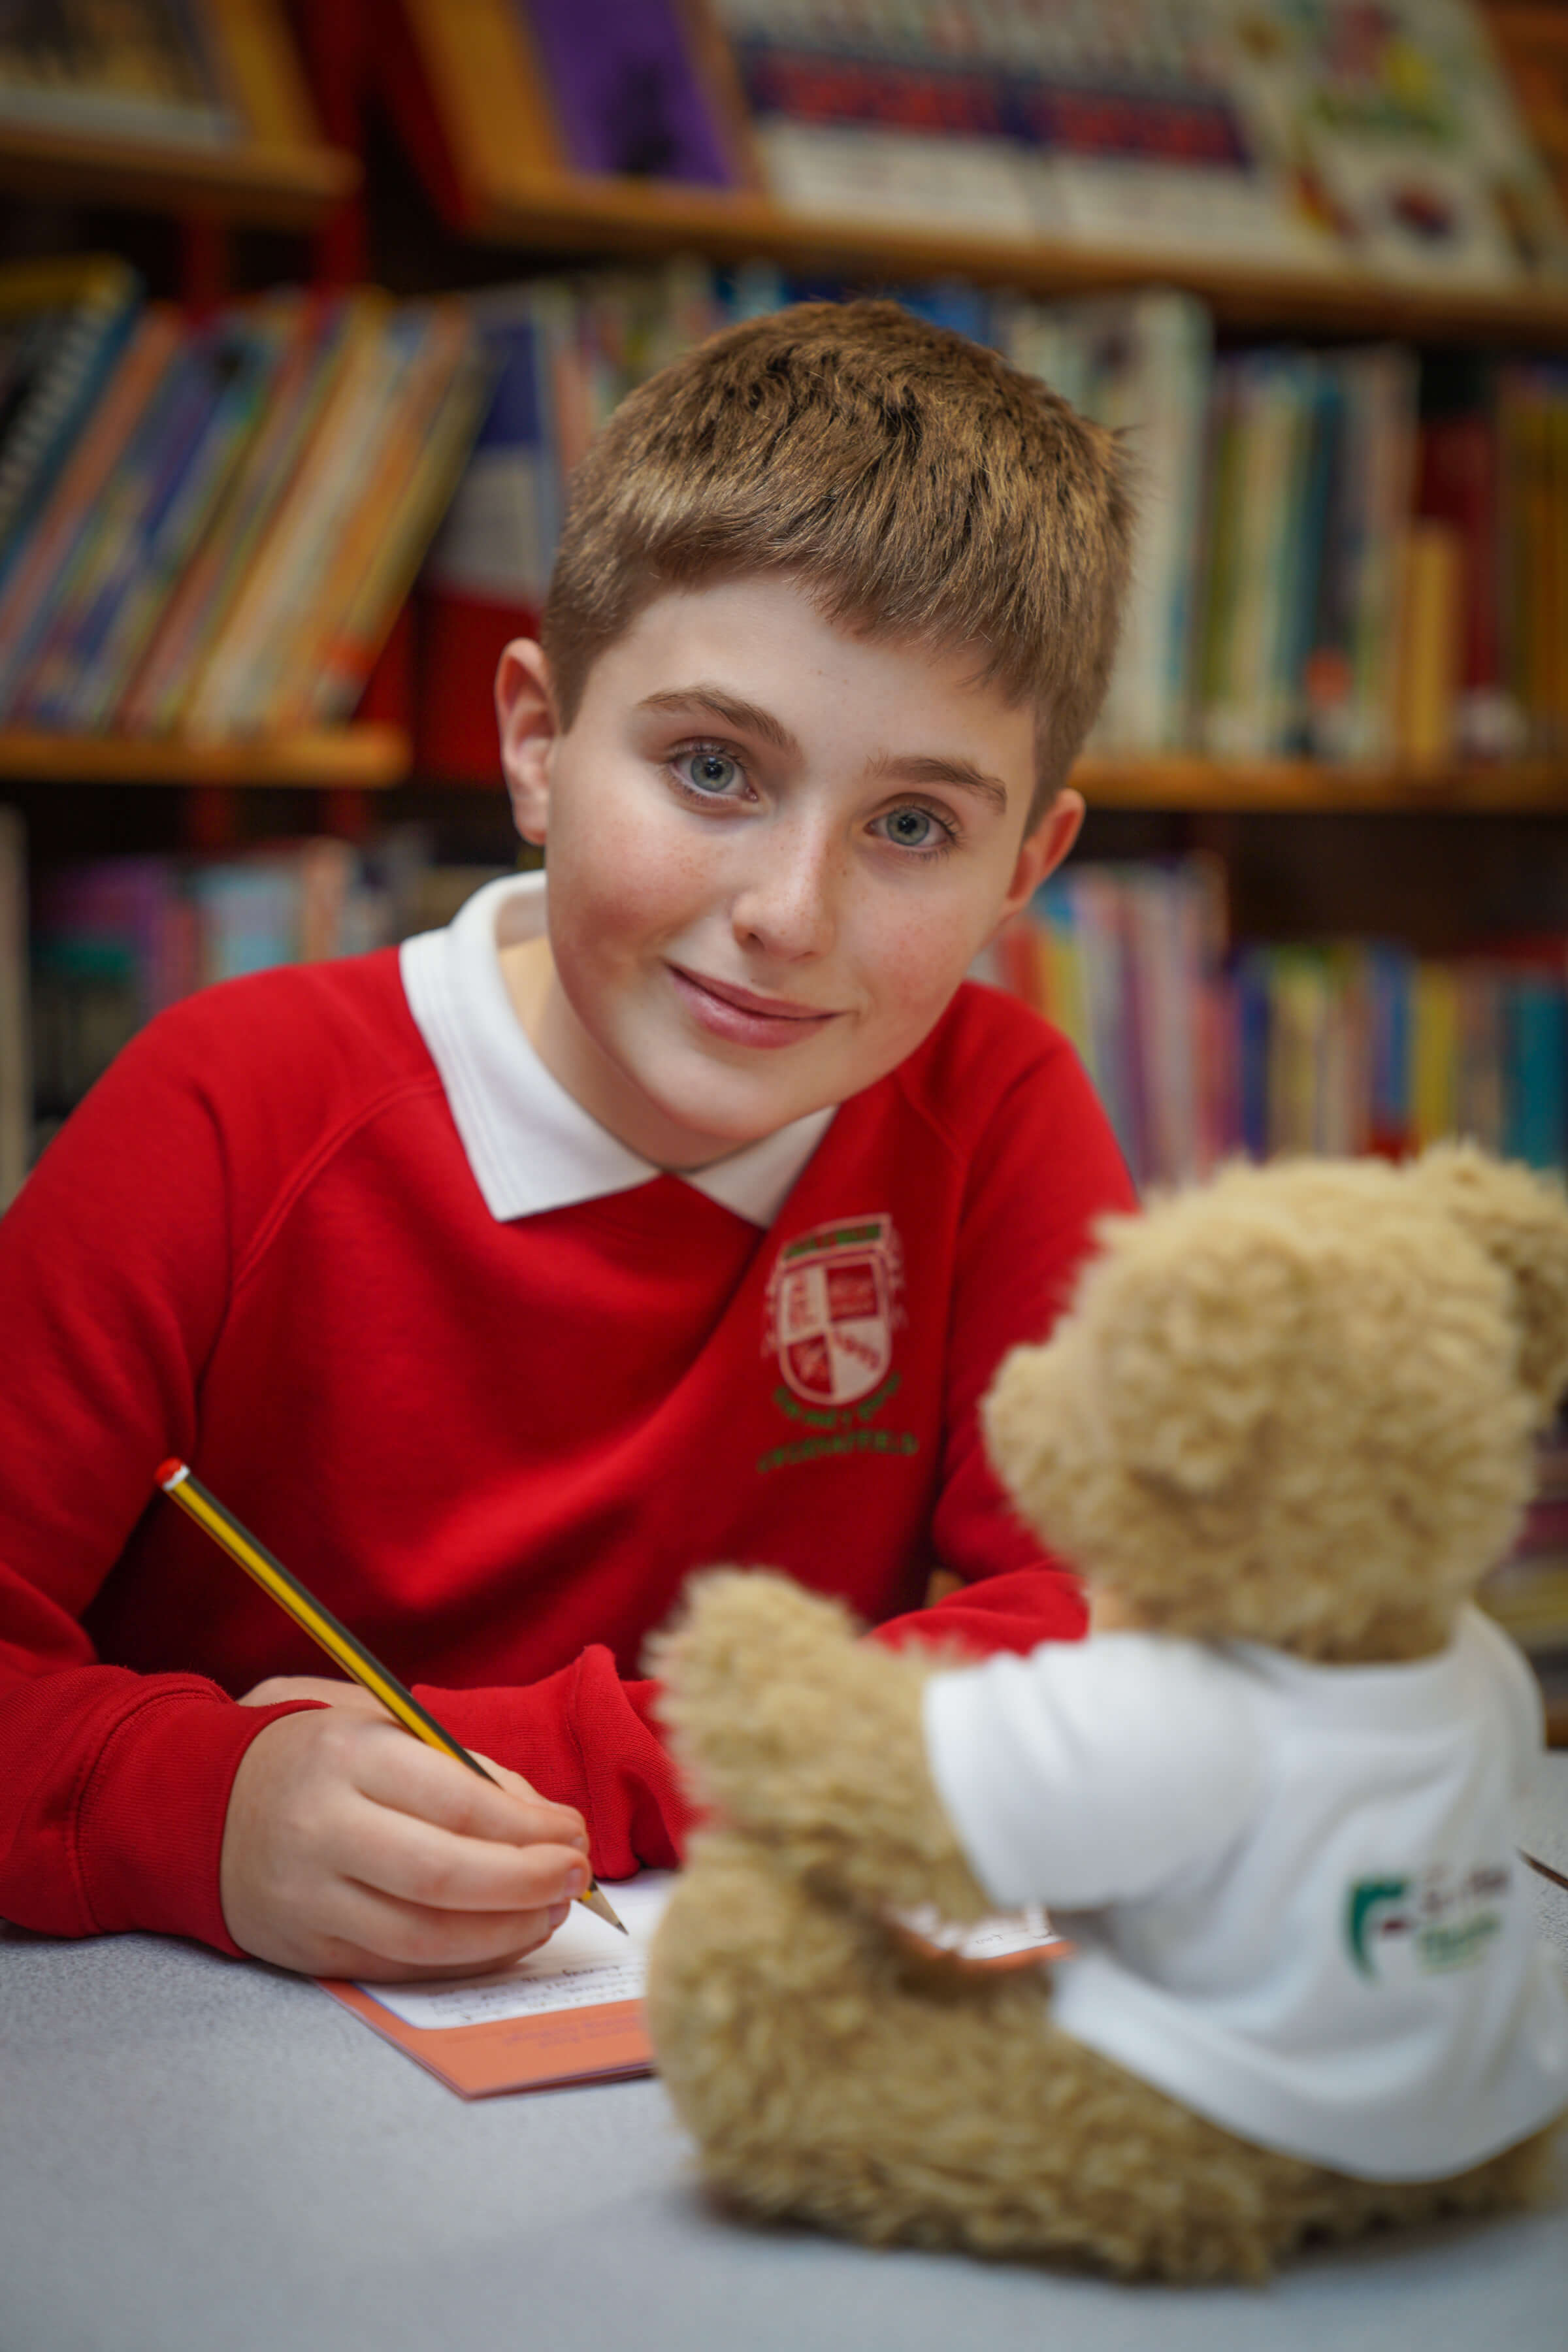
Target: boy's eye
(707,771)
(916,828)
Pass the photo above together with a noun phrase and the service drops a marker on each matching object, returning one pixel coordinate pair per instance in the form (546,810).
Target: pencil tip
(595,1900)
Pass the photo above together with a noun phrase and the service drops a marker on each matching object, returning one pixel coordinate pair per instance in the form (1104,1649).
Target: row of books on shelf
(1342,554)
(1198,1050)
(1345,1046)
(117,940)
(210,526)
(1334,136)
(1337,135)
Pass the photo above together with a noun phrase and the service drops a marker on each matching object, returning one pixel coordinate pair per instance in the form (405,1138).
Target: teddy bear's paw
(792,1730)
(744,1637)
(734,1623)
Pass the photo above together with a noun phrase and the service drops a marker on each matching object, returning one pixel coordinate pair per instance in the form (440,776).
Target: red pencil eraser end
(167,1472)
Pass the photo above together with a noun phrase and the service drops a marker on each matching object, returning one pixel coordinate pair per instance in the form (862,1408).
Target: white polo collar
(531,1146)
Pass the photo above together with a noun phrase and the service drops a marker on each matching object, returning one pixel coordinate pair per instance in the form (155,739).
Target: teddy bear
(1281,1431)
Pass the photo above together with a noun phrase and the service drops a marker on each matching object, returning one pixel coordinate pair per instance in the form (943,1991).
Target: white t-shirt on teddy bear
(1294,1887)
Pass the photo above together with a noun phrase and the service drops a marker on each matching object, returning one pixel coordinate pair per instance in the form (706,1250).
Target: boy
(498,1283)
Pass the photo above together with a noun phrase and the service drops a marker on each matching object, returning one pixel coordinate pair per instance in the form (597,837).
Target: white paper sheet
(585,1963)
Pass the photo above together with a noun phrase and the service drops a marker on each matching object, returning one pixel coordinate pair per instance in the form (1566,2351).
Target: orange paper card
(571,2012)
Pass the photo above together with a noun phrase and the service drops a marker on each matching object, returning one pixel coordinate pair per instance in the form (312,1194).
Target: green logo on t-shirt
(1444,1918)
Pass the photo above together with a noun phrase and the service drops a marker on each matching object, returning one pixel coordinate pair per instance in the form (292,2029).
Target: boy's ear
(525,716)
(1042,850)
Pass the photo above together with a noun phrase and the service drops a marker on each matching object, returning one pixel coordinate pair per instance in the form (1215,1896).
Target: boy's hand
(351,1849)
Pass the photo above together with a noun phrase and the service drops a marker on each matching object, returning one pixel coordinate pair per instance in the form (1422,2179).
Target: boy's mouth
(742,1015)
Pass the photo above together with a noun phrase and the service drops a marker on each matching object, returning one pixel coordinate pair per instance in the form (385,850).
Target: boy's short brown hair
(915,483)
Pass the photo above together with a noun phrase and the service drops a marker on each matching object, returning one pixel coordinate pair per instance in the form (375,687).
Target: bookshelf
(359,758)
(1261,787)
(568,213)
(272,184)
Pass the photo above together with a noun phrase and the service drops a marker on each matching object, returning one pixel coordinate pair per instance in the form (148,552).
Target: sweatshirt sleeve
(114,1275)
(585,1738)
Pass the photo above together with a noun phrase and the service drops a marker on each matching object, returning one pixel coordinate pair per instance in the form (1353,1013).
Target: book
(126,83)
(1318,138)
(1141,364)
(118,939)
(246,664)
(1459,484)
(634,90)
(403,499)
(1428,653)
(147,70)
(1201,1049)
(63,324)
(498,538)
(105,561)
(197,608)
(242,355)
(869,115)
(29,588)
(1400,129)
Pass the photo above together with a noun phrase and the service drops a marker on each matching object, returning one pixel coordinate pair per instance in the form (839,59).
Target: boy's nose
(787,903)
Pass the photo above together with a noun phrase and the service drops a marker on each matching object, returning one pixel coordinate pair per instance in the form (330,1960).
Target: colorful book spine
(27,592)
(196,611)
(1345,1047)
(89,308)
(631,94)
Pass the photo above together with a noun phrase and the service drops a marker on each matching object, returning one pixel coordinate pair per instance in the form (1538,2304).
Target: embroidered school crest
(833,1298)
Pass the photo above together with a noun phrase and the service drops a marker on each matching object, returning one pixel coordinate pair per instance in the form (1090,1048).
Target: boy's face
(775,848)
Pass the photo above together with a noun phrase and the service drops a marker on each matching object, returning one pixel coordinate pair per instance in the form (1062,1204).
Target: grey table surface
(203,2153)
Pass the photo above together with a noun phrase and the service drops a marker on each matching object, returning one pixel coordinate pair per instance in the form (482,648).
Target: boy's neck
(528,969)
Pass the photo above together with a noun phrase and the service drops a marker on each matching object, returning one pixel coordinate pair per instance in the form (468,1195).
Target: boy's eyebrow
(750,717)
(920,768)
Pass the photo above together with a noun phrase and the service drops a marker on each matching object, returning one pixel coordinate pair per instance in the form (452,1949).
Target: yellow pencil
(182,1487)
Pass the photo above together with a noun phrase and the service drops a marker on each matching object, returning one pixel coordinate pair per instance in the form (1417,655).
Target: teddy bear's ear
(1520,1218)
(1167,1365)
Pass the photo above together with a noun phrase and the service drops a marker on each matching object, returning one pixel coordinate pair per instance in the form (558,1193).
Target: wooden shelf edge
(567,210)
(1180,782)
(271,186)
(368,757)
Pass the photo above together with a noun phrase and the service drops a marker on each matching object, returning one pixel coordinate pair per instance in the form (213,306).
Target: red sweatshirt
(493,1446)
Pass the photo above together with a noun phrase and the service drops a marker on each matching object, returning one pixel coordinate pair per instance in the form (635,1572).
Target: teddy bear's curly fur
(1296,1406)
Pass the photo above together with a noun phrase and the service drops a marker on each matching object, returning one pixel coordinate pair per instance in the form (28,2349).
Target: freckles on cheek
(922,967)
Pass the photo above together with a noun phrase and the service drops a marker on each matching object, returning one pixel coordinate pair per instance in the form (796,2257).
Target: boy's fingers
(505,1778)
(409,1778)
(392,1942)
(413,1861)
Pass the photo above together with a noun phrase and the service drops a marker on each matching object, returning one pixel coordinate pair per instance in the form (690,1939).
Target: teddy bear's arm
(812,1741)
